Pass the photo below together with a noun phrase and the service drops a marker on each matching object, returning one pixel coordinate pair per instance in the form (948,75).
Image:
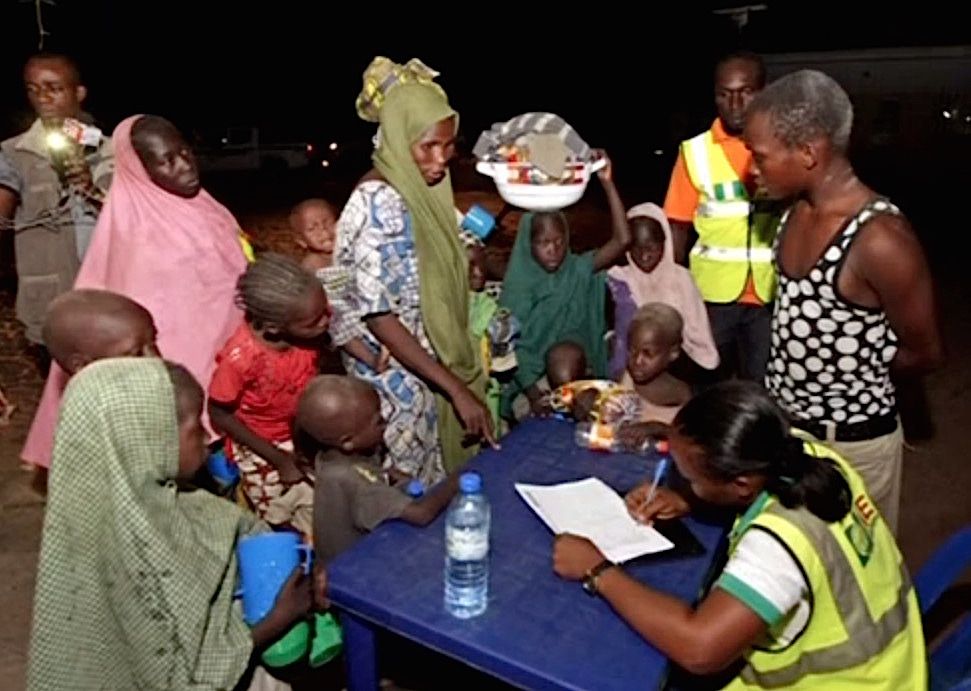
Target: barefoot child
(353,493)
(262,370)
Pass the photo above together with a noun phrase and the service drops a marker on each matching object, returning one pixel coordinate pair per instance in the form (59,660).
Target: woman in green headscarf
(136,577)
(399,240)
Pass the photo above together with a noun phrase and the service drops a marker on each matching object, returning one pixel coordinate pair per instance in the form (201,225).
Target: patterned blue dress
(375,244)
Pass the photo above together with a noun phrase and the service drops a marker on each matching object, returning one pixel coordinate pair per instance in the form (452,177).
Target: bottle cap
(470,483)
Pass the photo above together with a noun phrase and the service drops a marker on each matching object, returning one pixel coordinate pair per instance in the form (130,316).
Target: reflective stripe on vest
(866,638)
(723,209)
(734,239)
(732,254)
(722,199)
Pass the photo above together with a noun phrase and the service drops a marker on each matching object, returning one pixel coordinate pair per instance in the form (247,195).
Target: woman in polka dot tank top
(855,293)
(830,359)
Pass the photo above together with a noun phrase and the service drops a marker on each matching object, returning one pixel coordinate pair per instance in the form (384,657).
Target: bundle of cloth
(545,140)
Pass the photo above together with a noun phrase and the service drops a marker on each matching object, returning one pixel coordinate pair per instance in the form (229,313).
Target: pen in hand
(659,472)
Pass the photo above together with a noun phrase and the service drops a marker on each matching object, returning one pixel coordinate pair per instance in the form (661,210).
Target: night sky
(296,66)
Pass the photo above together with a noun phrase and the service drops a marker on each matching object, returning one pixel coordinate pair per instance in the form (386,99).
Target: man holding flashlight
(53,178)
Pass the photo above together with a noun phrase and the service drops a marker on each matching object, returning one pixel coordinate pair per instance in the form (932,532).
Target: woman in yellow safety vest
(814,594)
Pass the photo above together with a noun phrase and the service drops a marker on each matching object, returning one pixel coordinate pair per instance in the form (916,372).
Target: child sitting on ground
(136,578)
(564,363)
(653,344)
(353,493)
(259,376)
(648,393)
(313,222)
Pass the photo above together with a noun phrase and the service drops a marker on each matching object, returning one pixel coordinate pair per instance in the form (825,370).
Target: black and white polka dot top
(830,358)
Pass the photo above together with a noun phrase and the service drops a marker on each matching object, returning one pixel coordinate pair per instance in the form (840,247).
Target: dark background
(634,80)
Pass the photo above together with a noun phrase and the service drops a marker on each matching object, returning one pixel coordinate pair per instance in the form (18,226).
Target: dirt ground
(937,472)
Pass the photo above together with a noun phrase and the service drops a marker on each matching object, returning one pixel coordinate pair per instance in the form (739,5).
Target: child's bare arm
(683,236)
(620,230)
(292,603)
(224,420)
(357,349)
(423,511)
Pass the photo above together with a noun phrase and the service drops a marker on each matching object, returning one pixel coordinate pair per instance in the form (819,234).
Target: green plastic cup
(290,647)
(328,639)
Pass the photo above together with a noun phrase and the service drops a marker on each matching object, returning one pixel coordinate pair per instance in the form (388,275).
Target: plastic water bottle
(600,436)
(467,550)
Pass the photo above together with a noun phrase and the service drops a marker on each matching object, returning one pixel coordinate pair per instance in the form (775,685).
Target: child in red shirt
(260,374)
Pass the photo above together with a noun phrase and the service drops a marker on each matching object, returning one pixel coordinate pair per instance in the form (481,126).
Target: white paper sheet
(593,510)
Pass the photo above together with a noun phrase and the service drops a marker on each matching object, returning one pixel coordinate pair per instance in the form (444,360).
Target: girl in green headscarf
(136,577)
(398,238)
(559,299)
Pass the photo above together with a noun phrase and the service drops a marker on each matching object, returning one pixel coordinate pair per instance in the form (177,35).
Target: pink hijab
(672,284)
(177,257)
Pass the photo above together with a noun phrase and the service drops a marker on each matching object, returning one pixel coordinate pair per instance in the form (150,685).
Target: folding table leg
(360,653)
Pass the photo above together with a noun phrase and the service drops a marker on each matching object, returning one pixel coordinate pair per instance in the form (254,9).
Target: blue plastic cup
(265,563)
(223,471)
(479,222)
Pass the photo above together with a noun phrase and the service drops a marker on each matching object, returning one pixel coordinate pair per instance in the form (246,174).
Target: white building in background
(903,97)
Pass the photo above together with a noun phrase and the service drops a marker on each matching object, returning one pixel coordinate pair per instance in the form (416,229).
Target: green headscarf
(406,102)
(135,582)
(567,305)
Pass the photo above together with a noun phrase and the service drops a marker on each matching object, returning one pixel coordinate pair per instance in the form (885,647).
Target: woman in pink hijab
(651,275)
(164,242)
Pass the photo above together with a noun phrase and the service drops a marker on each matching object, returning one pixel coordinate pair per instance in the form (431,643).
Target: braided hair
(742,431)
(271,288)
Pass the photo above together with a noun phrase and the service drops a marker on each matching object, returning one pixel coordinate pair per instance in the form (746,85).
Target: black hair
(188,393)
(742,431)
(271,287)
(300,206)
(150,125)
(541,218)
(655,233)
(663,319)
(744,56)
(566,361)
(804,105)
(69,62)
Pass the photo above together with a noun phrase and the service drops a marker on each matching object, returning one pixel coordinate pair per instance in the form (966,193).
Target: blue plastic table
(539,631)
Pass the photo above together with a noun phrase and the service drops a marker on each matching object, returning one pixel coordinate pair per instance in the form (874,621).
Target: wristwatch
(589,581)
